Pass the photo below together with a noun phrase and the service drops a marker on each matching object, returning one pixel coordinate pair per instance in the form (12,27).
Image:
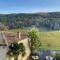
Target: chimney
(19,35)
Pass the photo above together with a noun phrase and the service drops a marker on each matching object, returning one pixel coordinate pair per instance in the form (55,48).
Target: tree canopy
(35,41)
(46,20)
(16,49)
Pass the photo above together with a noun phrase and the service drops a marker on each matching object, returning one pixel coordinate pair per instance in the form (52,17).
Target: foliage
(15,49)
(57,56)
(46,20)
(35,41)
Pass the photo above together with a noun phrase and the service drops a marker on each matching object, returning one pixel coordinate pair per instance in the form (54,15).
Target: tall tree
(35,41)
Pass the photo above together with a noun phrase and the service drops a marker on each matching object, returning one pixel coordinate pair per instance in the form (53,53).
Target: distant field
(50,40)
(17,30)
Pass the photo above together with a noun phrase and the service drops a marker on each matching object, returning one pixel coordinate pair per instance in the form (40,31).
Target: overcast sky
(29,6)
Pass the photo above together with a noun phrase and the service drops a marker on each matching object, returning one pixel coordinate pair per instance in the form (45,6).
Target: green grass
(50,40)
(17,30)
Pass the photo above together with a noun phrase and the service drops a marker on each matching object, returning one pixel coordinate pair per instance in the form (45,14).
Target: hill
(43,20)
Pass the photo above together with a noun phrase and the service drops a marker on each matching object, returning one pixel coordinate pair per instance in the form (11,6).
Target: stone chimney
(19,35)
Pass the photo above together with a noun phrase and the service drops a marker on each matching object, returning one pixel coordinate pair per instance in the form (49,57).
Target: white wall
(3,51)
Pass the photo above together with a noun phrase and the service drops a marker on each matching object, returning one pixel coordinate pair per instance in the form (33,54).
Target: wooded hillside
(50,20)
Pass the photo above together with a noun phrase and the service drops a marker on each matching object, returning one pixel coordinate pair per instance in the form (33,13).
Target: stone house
(6,38)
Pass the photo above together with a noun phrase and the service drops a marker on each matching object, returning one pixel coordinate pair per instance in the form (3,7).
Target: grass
(17,30)
(50,40)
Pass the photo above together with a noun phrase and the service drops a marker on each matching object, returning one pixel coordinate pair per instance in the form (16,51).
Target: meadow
(50,40)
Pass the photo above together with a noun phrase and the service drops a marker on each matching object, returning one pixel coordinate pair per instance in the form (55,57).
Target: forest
(48,20)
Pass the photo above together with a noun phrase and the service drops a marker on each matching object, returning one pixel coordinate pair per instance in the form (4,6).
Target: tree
(15,49)
(35,41)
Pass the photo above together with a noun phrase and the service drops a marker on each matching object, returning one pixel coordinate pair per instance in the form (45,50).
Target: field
(50,40)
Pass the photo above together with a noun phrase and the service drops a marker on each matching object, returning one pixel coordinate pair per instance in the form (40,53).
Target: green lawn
(50,40)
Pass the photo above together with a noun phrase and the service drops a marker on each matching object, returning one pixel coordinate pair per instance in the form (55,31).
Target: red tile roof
(14,37)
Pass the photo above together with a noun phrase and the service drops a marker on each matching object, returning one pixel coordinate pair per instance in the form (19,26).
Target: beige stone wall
(9,58)
(27,49)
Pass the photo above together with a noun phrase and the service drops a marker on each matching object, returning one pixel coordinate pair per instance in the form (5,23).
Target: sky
(29,6)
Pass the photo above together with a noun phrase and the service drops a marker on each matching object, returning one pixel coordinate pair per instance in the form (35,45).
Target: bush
(57,56)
